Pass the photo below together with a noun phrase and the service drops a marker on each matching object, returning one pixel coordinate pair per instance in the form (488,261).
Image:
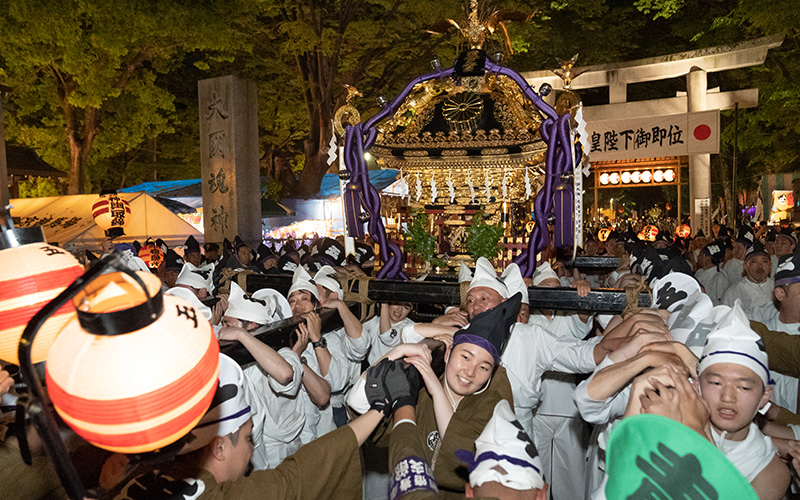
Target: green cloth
(650,456)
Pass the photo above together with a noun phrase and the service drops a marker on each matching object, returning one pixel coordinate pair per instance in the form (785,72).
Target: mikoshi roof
(482,128)
(68,219)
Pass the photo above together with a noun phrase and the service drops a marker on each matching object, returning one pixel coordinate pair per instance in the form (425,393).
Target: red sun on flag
(702,132)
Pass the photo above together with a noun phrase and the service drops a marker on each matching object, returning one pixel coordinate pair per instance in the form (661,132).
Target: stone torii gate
(695,66)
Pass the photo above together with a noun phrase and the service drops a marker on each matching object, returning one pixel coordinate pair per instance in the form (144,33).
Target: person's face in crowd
(739,249)
(757,268)
(715,230)
(700,242)
(238,455)
(194,258)
(590,248)
(769,246)
(200,293)
(468,368)
(660,244)
(231,322)
(398,311)
(482,298)
(300,302)
(212,255)
(550,283)
(783,246)
(170,276)
(325,295)
(244,255)
(734,394)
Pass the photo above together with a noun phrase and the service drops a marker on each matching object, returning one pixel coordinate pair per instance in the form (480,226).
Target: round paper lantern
(626,177)
(683,230)
(604,179)
(603,233)
(111,213)
(33,274)
(131,374)
(151,255)
(649,233)
(613,178)
(669,175)
(658,176)
(636,177)
(647,176)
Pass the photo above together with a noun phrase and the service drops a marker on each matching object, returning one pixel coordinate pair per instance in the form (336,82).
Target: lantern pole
(39,406)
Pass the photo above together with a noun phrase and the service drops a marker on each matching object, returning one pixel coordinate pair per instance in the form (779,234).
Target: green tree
(84,74)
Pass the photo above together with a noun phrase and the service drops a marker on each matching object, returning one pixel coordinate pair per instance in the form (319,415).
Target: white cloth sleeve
(357,397)
(409,335)
(291,387)
(600,412)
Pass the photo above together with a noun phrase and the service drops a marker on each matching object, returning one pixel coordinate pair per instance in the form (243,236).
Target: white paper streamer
(488,187)
(434,191)
(471,188)
(451,187)
(419,188)
(505,185)
(402,186)
(528,188)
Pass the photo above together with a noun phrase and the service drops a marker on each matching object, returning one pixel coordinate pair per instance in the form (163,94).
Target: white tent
(68,219)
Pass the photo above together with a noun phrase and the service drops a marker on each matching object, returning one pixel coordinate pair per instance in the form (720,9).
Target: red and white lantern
(649,233)
(683,231)
(111,213)
(33,274)
(151,255)
(133,374)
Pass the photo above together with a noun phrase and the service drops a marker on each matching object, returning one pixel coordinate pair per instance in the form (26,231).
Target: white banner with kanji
(657,136)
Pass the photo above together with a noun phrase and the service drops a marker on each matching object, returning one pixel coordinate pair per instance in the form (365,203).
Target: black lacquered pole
(39,408)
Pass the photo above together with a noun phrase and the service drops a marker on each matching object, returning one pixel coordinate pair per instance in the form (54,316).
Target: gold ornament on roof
(477,27)
(347,114)
(566,73)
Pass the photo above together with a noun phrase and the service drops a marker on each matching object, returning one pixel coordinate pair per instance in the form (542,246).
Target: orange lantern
(33,274)
(151,255)
(111,213)
(135,371)
(648,233)
(603,233)
(683,231)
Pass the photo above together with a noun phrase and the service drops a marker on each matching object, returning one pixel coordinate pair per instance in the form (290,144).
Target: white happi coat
(713,281)
(751,295)
(381,343)
(278,415)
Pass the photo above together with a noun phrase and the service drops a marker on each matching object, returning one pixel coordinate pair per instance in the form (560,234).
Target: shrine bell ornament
(33,274)
(111,213)
(135,370)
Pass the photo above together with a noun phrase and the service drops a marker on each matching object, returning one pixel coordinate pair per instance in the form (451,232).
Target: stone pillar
(229,159)
(699,165)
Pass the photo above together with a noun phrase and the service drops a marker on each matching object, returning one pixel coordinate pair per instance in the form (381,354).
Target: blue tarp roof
(192,187)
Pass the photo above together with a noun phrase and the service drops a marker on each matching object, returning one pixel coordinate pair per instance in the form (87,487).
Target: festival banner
(656,136)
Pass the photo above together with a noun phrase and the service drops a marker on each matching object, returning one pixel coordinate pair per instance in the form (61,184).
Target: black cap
(788,271)
(286,264)
(700,234)
(173,260)
(757,248)
(332,251)
(745,236)
(364,253)
(715,250)
(192,246)
(136,247)
(227,246)
(490,329)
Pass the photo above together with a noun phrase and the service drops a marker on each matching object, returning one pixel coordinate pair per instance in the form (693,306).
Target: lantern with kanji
(151,255)
(136,369)
(603,233)
(648,233)
(111,213)
(683,231)
(33,274)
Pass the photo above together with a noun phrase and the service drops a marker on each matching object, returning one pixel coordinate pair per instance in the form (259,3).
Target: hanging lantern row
(637,177)
(111,213)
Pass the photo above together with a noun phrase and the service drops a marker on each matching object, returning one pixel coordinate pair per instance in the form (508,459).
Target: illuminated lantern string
(33,274)
(111,213)
(134,372)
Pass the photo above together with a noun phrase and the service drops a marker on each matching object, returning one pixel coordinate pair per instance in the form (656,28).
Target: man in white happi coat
(272,383)
(784,318)
(754,289)
(733,268)
(708,273)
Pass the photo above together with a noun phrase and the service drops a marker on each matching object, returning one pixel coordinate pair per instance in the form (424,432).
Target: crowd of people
(494,399)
